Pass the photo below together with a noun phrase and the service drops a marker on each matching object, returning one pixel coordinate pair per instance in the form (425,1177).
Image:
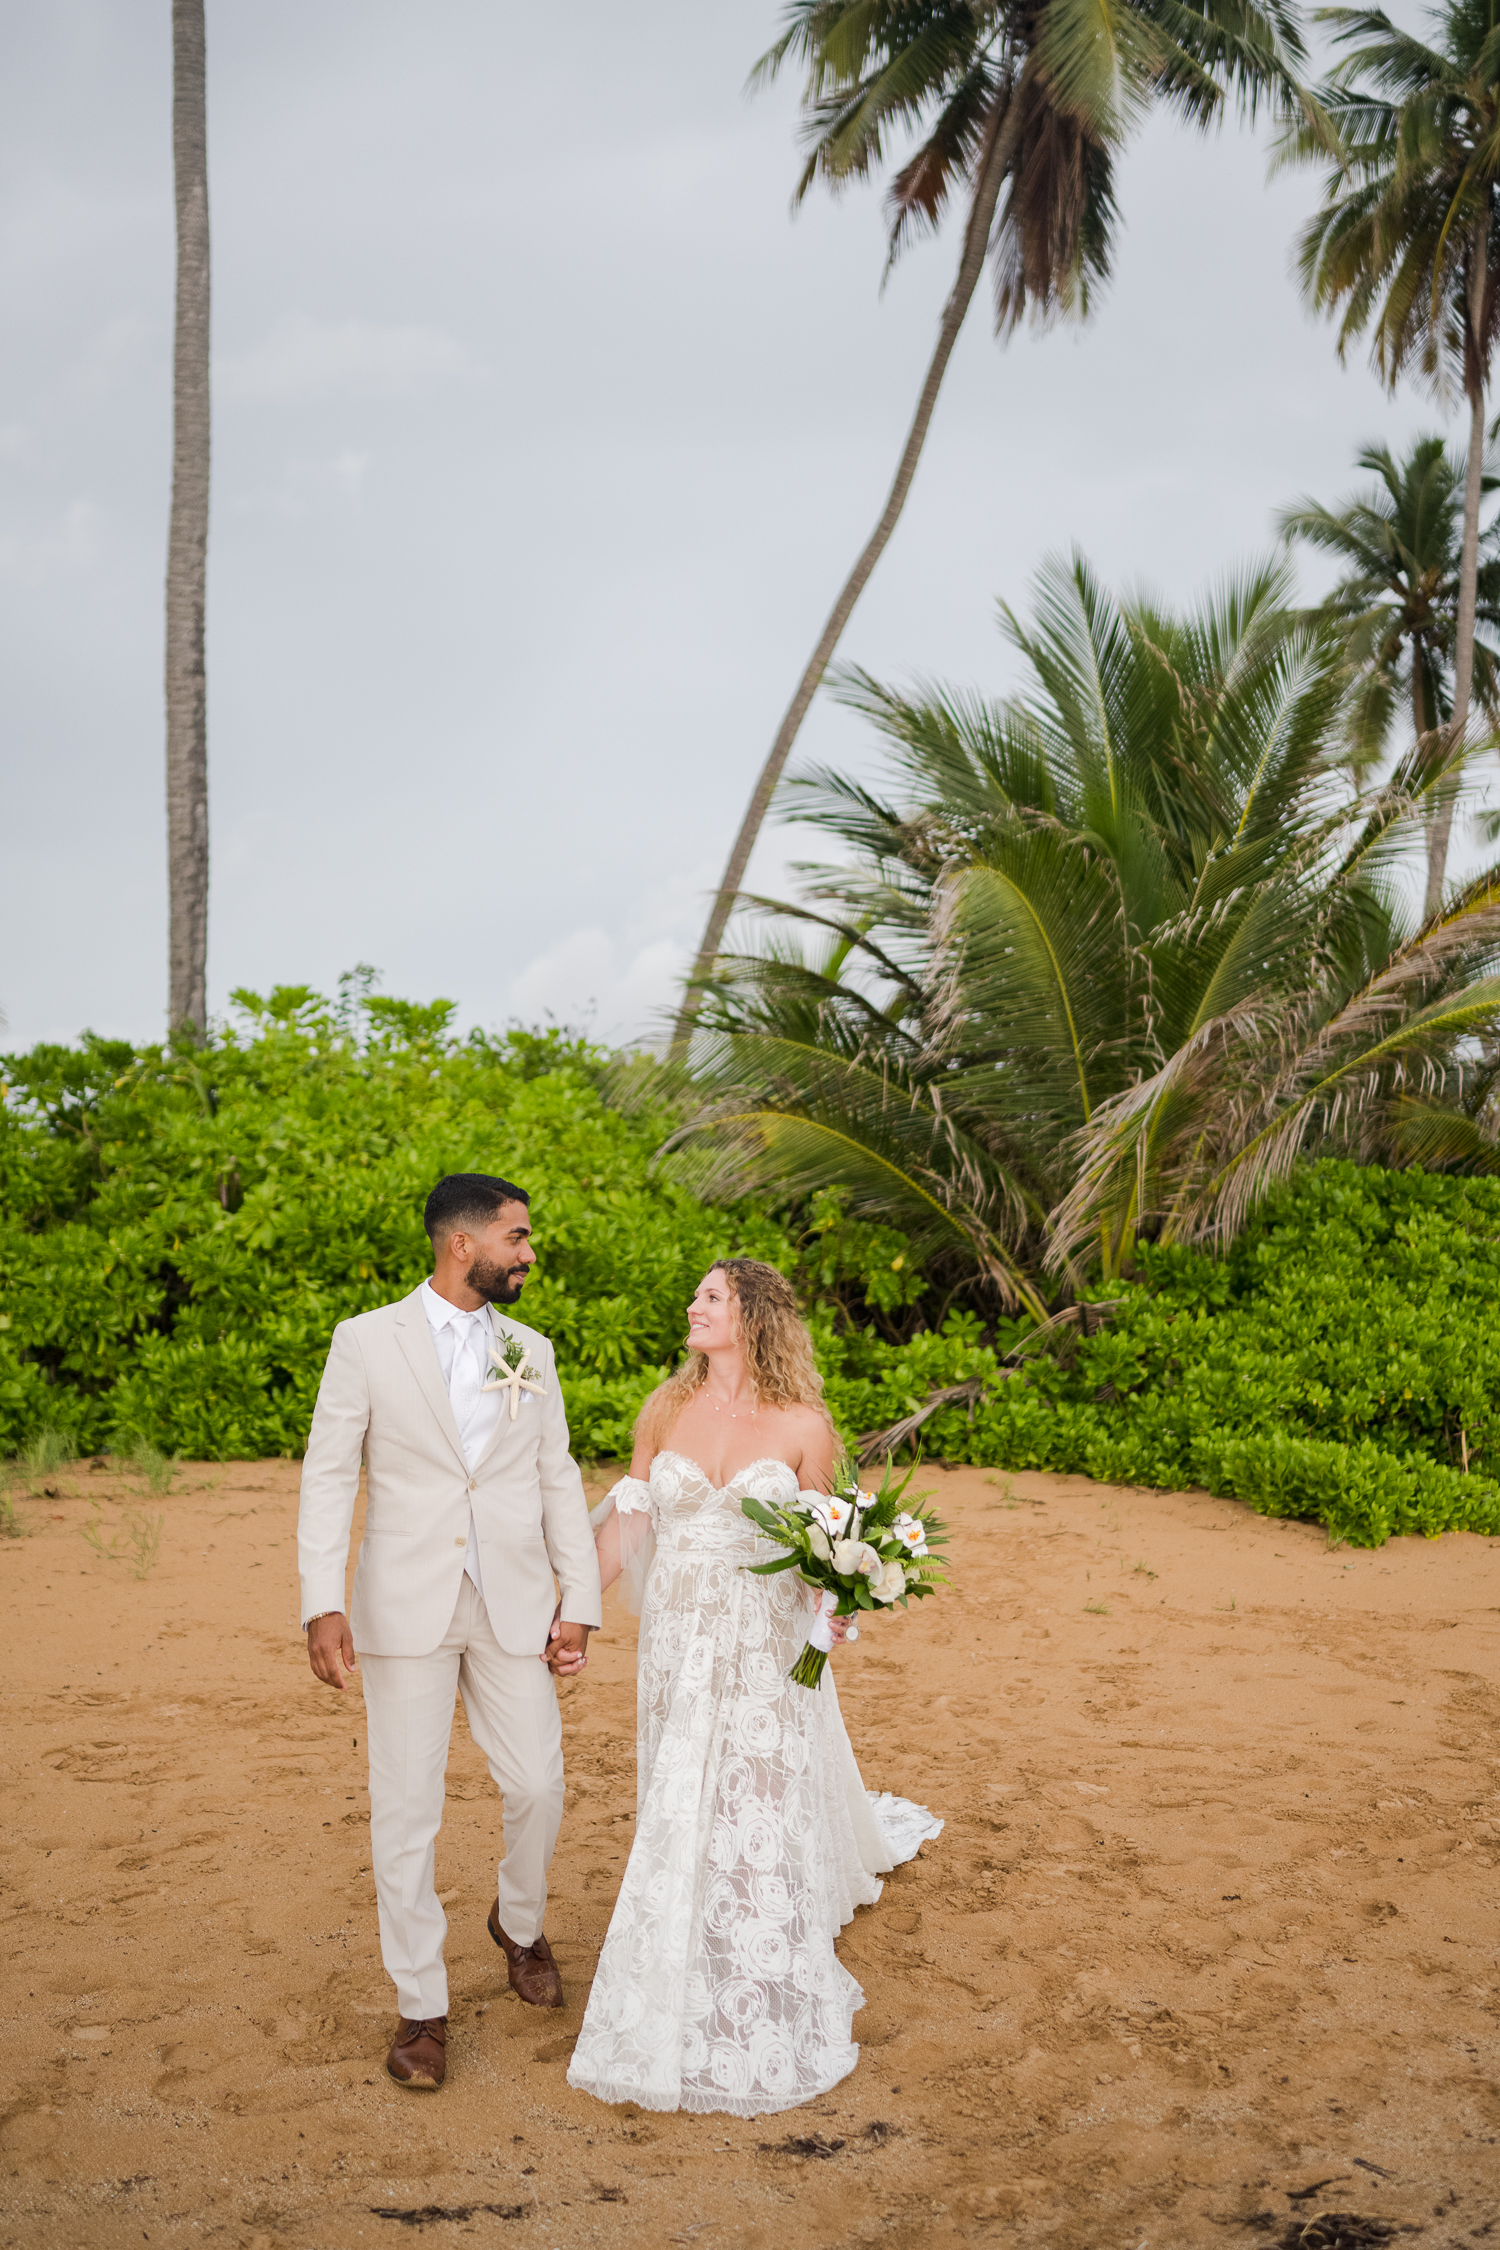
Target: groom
(473,1505)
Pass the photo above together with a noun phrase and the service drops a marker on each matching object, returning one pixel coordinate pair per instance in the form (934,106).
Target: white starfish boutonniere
(510,1371)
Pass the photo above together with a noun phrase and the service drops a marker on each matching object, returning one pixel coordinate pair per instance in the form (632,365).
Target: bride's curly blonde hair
(778,1350)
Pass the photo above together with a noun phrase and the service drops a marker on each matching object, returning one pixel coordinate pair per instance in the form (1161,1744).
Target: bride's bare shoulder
(805,1431)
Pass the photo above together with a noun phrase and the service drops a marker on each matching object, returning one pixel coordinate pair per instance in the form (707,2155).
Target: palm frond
(1100,956)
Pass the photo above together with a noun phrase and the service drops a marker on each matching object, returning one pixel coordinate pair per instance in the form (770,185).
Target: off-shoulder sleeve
(631,1501)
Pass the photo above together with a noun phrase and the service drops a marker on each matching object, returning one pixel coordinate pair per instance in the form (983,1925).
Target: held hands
(330,1650)
(567,1649)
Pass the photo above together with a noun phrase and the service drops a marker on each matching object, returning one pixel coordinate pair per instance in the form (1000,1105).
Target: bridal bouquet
(861,1550)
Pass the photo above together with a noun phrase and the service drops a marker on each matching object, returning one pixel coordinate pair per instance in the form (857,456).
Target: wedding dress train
(718,1987)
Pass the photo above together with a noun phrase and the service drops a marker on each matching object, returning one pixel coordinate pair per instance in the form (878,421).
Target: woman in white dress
(718,1987)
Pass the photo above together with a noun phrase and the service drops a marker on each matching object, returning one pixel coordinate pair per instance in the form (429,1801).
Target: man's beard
(497,1285)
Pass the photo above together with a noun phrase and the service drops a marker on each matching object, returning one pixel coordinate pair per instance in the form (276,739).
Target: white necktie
(470,1363)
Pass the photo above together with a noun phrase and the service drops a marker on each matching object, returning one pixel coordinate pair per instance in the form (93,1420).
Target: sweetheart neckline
(762,1461)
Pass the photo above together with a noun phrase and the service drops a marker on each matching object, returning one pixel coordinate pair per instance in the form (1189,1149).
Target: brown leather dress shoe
(419,2054)
(533,1972)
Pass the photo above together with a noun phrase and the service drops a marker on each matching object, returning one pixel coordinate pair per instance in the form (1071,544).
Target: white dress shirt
(463,1348)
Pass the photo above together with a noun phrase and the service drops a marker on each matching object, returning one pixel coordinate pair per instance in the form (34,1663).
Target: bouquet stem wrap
(808,1669)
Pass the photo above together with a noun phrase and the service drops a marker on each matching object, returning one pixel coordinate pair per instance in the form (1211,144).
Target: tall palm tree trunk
(187,541)
(1418,700)
(1468,570)
(1000,140)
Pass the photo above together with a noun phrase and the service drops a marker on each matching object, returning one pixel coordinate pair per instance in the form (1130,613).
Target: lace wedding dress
(718,1987)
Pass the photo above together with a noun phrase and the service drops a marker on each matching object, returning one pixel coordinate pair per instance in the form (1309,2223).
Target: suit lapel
(415,1339)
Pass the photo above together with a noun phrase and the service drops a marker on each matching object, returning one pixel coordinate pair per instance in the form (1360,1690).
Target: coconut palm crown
(1021,108)
(1406,247)
(1400,543)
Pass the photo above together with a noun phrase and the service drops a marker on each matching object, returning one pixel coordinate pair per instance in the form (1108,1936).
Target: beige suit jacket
(383,1396)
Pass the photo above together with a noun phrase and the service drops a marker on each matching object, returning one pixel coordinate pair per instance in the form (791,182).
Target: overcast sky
(543,438)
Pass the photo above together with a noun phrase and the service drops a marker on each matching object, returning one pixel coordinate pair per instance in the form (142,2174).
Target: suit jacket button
(473,1484)
(460,1542)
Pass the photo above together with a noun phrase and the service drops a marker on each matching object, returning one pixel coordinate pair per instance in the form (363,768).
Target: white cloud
(302,360)
(592,978)
(623,985)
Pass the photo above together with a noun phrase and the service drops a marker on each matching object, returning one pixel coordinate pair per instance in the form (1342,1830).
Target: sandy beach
(1208,1947)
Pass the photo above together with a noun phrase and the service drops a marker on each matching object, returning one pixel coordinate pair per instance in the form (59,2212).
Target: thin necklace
(733,1416)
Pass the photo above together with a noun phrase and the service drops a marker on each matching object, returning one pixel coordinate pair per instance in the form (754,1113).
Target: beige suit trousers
(511,1703)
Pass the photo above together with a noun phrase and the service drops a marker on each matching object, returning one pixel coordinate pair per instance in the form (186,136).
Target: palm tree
(1407,244)
(1105,957)
(187,540)
(1025,99)
(1397,603)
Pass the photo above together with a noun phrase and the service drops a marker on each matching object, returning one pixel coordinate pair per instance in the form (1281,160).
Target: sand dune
(1208,1947)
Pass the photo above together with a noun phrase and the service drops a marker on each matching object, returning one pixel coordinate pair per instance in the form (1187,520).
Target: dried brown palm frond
(1052,238)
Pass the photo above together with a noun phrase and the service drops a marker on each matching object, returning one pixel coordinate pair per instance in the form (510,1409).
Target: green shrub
(1340,1364)
(181,1230)
(1360,1492)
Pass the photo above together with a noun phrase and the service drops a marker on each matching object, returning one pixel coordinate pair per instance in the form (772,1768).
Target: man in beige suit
(474,1507)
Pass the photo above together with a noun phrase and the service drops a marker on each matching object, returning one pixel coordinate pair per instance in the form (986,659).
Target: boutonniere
(510,1371)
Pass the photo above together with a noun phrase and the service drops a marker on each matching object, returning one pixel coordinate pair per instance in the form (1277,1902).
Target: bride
(718,1987)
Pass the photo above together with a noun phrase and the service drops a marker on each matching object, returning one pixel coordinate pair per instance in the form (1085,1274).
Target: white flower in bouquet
(853,1557)
(833,1514)
(818,1540)
(891,1584)
(912,1533)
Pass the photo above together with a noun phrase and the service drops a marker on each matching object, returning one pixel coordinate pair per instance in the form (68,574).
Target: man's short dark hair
(467,1201)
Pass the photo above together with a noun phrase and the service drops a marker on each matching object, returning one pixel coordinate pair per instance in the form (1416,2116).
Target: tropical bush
(181,1228)
(1102,962)
(1341,1363)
